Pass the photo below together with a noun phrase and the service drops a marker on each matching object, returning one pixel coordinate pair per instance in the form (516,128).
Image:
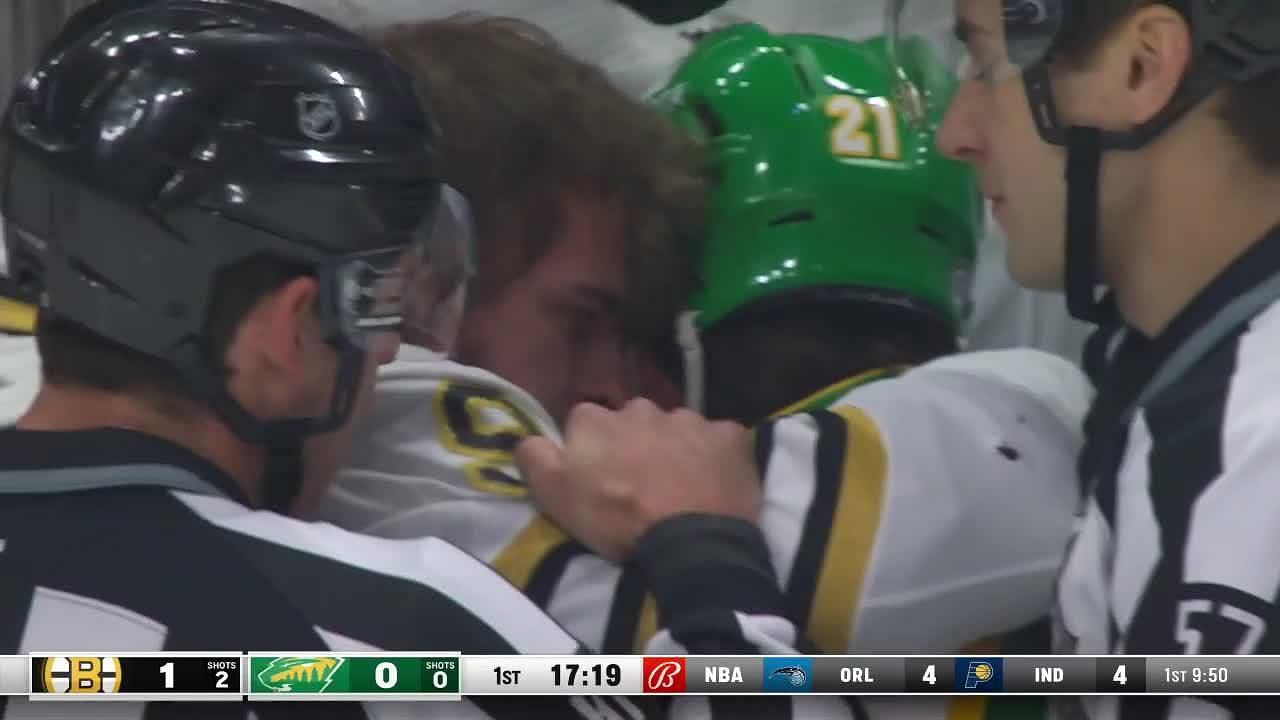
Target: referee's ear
(278,356)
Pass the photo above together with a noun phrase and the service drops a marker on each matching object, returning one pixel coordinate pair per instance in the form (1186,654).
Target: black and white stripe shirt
(1176,549)
(138,567)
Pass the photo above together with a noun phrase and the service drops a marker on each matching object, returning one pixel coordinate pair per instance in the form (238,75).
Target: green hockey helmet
(829,184)
(828,175)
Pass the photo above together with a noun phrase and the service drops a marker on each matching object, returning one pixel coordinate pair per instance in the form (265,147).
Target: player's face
(989,125)
(556,330)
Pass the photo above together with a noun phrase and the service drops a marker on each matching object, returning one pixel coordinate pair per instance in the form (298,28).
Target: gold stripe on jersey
(647,622)
(647,626)
(16,317)
(836,390)
(526,551)
(855,524)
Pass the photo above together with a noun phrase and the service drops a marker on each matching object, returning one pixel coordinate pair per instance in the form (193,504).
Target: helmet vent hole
(98,280)
(799,216)
(931,233)
(803,77)
(707,117)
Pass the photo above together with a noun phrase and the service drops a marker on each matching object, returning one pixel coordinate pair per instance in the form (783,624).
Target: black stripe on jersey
(763,446)
(15,601)
(1184,459)
(829,458)
(624,612)
(409,616)
(549,571)
(102,546)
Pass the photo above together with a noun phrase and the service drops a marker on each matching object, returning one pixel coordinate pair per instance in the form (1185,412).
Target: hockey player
(1163,116)
(906,511)
(230,210)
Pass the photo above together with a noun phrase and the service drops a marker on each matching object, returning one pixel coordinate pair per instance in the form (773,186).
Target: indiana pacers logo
(82,675)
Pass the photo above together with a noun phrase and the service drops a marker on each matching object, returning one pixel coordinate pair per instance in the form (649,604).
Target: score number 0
(385,676)
(850,138)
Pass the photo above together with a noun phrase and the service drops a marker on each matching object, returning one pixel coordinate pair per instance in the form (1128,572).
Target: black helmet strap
(1084,166)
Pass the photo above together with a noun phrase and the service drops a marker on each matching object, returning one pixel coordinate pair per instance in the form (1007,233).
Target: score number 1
(222,676)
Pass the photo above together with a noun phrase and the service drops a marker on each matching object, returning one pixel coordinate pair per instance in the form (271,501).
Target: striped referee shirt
(101,547)
(1177,545)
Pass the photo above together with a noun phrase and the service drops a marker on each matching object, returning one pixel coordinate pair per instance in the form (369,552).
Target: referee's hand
(620,473)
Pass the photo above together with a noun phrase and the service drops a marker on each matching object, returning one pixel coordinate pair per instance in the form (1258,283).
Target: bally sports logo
(664,675)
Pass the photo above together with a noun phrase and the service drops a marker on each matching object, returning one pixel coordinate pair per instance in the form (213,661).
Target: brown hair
(1249,110)
(527,129)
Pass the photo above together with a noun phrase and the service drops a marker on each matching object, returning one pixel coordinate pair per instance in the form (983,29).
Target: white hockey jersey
(914,514)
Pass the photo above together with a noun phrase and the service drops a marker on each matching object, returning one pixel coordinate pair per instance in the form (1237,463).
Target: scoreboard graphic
(134,676)
(373,677)
(354,676)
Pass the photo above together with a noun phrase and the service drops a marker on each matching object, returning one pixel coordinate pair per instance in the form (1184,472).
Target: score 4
(1121,675)
(930,675)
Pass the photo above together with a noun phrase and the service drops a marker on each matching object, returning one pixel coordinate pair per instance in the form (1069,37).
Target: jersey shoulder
(913,478)
(967,395)
(439,442)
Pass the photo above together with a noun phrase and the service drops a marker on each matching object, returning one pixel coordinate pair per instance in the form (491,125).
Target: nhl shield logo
(318,116)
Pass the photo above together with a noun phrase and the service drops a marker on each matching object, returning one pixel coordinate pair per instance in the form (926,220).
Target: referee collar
(1137,358)
(1257,265)
(40,461)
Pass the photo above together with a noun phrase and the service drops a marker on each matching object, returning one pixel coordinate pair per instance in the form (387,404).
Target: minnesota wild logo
(297,674)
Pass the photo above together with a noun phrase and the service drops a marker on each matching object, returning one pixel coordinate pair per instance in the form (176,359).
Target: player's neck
(58,408)
(1199,223)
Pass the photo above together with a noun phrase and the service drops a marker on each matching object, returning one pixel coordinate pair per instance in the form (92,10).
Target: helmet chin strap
(691,353)
(1084,174)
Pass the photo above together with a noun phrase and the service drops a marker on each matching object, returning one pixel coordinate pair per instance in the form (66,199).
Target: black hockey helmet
(157,143)
(1233,41)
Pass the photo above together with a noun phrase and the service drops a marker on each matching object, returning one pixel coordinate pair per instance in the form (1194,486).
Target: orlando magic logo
(788,674)
(318,116)
(795,675)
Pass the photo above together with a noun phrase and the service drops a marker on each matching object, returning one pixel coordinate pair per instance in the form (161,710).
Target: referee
(220,204)
(1162,118)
